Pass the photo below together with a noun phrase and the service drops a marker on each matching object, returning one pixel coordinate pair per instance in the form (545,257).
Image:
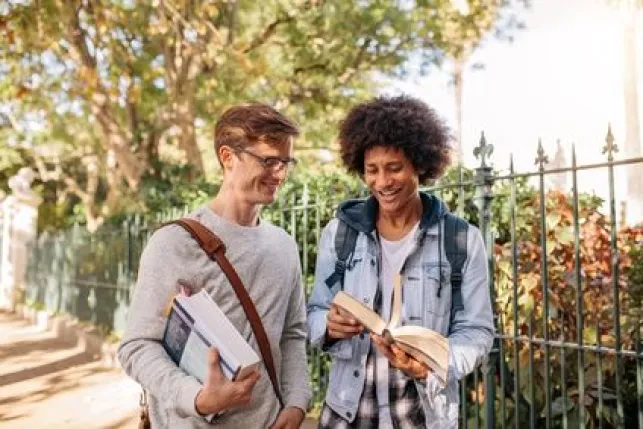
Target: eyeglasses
(273,163)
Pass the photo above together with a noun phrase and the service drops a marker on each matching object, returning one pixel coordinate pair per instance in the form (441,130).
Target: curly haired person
(396,144)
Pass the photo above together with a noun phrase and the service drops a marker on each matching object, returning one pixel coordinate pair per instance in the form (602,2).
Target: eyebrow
(388,164)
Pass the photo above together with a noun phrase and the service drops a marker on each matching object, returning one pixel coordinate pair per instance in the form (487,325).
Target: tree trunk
(458,72)
(632,119)
(117,142)
(185,116)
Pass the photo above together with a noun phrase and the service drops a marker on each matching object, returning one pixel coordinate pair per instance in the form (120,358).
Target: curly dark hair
(399,122)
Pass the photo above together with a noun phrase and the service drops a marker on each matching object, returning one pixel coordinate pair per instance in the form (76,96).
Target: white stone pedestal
(19,228)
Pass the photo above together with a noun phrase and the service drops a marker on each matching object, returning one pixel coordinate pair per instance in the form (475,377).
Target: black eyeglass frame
(270,162)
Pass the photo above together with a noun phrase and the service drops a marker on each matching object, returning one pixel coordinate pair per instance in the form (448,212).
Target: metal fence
(567,353)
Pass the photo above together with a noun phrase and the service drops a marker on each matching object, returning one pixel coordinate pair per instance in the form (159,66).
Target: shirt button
(373,262)
(361,336)
(349,414)
(356,374)
(366,299)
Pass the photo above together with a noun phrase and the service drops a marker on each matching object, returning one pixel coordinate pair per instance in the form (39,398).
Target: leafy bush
(598,326)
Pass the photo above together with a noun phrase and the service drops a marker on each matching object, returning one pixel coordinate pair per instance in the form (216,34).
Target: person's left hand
(400,359)
(289,418)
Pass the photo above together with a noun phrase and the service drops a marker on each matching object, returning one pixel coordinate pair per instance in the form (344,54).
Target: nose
(383,179)
(280,172)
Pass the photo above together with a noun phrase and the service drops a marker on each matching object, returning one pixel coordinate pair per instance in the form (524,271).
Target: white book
(195,324)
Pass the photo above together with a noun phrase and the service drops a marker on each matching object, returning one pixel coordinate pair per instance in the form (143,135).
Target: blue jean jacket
(425,272)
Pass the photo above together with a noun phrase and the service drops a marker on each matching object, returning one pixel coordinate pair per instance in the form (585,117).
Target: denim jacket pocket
(342,349)
(437,289)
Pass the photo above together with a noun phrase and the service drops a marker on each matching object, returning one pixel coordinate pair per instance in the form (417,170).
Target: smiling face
(251,181)
(391,178)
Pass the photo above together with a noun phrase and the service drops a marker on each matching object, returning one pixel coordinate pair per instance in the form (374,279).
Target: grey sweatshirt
(267,260)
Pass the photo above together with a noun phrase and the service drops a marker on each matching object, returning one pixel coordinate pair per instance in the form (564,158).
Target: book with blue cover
(195,324)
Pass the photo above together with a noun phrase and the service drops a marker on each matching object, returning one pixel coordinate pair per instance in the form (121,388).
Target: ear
(226,155)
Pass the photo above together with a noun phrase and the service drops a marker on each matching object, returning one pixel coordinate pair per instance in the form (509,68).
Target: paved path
(46,382)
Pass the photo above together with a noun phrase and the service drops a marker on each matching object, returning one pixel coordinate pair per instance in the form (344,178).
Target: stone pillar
(19,228)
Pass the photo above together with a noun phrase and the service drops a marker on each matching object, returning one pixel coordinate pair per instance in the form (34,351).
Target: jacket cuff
(327,342)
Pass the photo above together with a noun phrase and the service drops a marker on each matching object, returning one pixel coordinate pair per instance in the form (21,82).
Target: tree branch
(233,8)
(318,66)
(350,71)
(78,38)
(58,175)
(267,33)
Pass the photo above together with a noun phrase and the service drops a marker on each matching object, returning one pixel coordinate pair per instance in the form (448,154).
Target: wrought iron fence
(564,281)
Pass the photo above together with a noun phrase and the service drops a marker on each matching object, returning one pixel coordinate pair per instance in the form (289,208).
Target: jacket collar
(361,214)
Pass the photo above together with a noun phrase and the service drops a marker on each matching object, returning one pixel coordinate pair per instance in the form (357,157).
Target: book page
(188,347)
(364,315)
(437,369)
(194,358)
(217,326)
(217,329)
(396,312)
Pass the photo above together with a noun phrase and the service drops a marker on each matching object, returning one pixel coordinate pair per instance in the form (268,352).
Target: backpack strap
(215,249)
(455,247)
(345,239)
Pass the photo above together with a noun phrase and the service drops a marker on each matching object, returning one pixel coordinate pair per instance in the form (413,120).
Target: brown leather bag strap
(215,249)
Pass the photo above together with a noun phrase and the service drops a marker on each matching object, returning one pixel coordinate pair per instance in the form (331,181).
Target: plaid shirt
(405,405)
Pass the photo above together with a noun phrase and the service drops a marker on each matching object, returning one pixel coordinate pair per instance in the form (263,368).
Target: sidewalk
(47,382)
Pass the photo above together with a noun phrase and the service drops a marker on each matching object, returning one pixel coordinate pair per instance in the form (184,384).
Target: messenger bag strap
(215,249)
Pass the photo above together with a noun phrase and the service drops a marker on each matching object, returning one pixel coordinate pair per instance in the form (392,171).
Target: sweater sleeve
(141,353)
(295,384)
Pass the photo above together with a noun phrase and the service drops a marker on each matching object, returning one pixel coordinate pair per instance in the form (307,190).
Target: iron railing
(567,353)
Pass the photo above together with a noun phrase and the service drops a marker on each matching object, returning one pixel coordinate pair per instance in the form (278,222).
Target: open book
(423,344)
(196,323)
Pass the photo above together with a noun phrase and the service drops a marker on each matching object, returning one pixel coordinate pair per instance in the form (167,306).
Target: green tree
(106,94)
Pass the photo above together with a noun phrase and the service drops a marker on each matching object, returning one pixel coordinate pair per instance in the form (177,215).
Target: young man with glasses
(254,145)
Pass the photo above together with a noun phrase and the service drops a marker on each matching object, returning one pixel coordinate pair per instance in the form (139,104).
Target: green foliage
(462,199)
(170,188)
(635,277)
(306,204)
(118,87)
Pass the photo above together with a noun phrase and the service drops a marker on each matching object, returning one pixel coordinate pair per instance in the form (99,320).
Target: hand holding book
(421,347)
(399,359)
(220,394)
(201,340)
(340,325)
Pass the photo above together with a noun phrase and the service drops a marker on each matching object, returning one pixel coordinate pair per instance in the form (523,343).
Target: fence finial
(542,157)
(610,147)
(483,151)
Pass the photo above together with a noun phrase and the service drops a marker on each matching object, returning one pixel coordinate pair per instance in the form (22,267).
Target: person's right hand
(220,394)
(340,325)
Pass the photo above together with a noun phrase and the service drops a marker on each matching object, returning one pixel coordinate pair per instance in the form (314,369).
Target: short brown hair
(400,122)
(245,124)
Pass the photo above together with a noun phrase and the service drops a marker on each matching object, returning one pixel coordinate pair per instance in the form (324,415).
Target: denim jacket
(426,302)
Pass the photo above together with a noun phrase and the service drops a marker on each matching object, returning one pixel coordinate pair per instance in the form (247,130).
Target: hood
(361,213)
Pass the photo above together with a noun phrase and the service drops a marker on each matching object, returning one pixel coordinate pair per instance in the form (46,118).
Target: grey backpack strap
(455,247)
(345,239)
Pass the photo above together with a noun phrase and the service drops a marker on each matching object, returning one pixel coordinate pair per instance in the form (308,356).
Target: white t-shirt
(394,254)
